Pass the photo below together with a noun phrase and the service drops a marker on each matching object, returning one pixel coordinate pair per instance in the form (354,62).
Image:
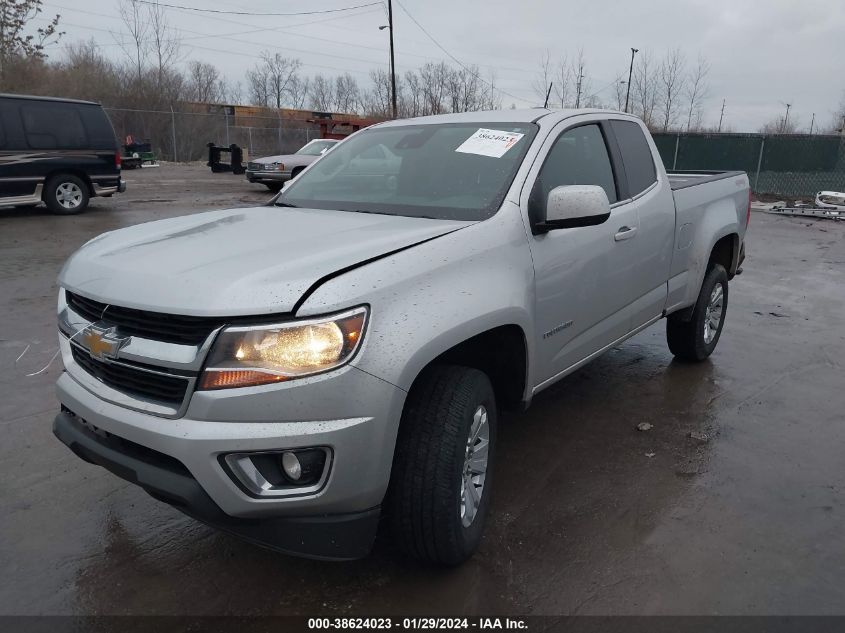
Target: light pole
(634,51)
(389,26)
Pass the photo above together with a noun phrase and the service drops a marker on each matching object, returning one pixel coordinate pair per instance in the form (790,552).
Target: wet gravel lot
(733,503)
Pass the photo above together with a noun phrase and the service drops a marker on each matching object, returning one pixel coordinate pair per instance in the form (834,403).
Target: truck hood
(238,261)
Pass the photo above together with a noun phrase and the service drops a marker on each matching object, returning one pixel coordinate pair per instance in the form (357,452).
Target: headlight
(260,355)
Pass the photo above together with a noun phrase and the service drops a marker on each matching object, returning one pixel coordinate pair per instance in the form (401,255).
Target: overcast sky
(763,53)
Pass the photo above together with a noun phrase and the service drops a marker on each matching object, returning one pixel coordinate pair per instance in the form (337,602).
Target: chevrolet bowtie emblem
(103,343)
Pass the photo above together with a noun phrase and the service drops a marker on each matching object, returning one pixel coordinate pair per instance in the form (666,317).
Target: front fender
(429,298)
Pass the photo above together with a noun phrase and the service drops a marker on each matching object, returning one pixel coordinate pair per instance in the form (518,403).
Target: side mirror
(574,206)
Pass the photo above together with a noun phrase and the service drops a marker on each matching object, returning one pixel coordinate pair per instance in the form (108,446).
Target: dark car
(57,151)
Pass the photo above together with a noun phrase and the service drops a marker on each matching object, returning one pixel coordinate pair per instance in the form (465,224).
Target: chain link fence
(780,165)
(184,136)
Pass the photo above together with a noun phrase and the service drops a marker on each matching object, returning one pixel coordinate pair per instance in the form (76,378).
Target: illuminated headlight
(260,355)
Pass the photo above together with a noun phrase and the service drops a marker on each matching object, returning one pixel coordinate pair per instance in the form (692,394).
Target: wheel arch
(500,352)
(72,171)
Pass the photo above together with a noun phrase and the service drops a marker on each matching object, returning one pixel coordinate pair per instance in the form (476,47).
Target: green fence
(786,165)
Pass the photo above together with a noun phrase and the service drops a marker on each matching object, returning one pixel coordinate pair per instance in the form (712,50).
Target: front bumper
(268,176)
(349,411)
(334,537)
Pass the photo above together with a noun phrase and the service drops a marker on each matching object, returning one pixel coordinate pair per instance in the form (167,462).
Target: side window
(578,157)
(2,132)
(53,126)
(98,127)
(636,155)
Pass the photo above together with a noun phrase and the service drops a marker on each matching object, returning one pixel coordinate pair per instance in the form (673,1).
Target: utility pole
(722,116)
(634,51)
(389,26)
(578,95)
(786,118)
(812,123)
(392,58)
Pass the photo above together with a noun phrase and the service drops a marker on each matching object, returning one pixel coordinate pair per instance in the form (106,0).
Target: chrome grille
(167,389)
(158,326)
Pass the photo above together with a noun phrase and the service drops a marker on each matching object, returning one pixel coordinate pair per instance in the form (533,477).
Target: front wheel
(442,470)
(66,194)
(695,339)
(275,187)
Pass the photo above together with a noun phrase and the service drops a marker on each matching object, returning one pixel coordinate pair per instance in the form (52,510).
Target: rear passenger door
(651,202)
(583,276)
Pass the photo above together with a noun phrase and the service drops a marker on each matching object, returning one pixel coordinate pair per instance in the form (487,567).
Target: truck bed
(681,179)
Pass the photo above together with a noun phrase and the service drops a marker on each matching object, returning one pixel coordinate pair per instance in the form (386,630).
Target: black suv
(59,151)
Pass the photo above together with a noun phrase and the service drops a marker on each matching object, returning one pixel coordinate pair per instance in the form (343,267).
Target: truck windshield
(442,171)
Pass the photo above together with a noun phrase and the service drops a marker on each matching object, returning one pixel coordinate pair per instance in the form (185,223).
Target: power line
(224,12)
(453,58)
(227,36)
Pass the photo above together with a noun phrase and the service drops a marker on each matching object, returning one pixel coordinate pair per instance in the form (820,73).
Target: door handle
(625,233)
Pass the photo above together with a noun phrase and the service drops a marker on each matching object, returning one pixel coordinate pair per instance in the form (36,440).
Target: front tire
(696,338)
(66,194)
(275,187)
(442,470)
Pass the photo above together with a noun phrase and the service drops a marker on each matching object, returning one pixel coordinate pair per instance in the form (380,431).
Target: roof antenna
(548,93)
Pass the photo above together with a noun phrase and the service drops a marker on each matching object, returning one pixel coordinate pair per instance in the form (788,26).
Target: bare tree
(15,42)
(258,82)
(204,83)
(322,93)
(298,90)
(578,73)
(466,90)
(281,71)
(672,83)
(377,101)
(346,93)
(164,42)
(781,125)
(271,78)
(434,78)
(561,82)
(134,20)
(696,91)
(644,88)
(545,75)
(413,103)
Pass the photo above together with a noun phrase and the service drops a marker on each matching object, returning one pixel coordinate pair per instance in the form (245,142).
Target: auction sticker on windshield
(493,143)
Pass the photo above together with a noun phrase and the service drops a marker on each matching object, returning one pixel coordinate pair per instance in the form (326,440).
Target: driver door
(582,275)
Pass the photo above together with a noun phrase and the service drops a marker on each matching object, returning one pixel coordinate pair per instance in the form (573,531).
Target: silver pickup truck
(293,373)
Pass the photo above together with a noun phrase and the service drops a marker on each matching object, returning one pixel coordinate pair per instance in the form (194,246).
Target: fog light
(303,467)
(291,466)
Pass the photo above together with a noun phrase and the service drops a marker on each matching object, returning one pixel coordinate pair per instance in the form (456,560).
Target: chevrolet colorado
(293,372)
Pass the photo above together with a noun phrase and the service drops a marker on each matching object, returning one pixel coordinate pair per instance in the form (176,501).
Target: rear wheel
(442,470)
(696,338)
(66,194)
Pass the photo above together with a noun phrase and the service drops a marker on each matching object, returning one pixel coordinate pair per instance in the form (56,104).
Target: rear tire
(696,338)
(66,194)
(442,470)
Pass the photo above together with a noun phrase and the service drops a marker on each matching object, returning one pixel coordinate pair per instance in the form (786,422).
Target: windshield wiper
(285,204)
